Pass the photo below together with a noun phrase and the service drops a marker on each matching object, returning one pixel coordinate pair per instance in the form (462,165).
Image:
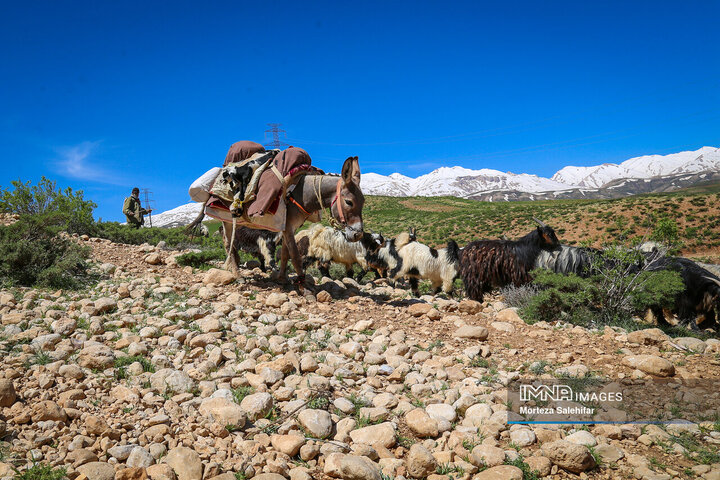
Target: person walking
(134,213)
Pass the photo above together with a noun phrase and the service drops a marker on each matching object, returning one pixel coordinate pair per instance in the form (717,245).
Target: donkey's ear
(351,171)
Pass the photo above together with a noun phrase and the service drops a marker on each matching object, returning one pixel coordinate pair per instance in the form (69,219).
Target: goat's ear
(351,171)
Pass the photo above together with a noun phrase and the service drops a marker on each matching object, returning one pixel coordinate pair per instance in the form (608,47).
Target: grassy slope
(696,211)
(438,219)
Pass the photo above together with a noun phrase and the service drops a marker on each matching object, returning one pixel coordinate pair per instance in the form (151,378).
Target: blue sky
(104,96)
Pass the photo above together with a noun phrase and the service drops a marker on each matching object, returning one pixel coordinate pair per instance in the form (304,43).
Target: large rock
(442,411)
(7,393)
(131,473)
(96,356)
(382,434)
(97,471)
(139,457)
(168,380)
(218,277)
(257,405)
(649,336)
(475,332)
(353,467)
(276,299)
(186,463)
(651,364)
(95,425)
(422,424)
(522,437)
(541,465)
(105,305)
(419,309)
(420,462)
(582,437)
(287,444)
(691,343)
(223,411)
(502,472)
(161,471)
(317,422)
(487,455)
(47,410)
(508,315)
(570,456)
(469,306)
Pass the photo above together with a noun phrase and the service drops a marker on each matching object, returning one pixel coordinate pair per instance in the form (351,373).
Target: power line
(275,136)
(147,196)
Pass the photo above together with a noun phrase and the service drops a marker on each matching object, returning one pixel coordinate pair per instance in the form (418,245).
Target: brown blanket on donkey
(243,150)
(289,162)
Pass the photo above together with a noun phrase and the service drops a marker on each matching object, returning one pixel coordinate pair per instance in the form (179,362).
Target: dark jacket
(133,211)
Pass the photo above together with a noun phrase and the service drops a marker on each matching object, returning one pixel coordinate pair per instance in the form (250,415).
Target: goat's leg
(361,275)
(349,271)
(324,268)
(414,286)
(447,285)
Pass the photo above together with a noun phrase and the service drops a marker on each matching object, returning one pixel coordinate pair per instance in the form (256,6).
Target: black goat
(701,297)
(488,264)
(259,243)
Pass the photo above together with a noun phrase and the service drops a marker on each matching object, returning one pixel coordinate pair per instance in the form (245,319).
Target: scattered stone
(97,471)
(570,456)
(223,411)
(476,332)
(353,467)
(7,393)
(421,423)
(317,422)
(502,472)
(651,364)
(186,463)
(420,462)
(218,277)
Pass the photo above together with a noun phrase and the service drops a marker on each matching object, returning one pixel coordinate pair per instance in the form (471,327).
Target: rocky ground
(164,372)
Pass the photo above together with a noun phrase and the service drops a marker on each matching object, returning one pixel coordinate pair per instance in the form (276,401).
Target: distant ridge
(639,175)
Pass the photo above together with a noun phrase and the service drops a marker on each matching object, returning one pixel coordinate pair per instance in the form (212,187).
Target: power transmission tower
(147,196)
(275,136)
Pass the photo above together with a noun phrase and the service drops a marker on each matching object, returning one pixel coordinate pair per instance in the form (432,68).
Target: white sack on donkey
(200,189)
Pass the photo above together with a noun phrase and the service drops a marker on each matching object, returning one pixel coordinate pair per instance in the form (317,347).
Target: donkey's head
(349,200)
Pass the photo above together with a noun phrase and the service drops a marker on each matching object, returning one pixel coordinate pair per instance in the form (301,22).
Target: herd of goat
(483,265)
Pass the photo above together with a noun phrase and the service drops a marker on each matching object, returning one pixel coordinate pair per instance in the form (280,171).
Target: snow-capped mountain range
(644,174)
(462,182)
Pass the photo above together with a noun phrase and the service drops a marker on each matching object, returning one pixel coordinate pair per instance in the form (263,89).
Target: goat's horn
(539,222)
(715,280)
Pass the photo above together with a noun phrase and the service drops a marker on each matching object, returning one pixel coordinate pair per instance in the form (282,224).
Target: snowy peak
(705,159)
(457,181)
(177,217)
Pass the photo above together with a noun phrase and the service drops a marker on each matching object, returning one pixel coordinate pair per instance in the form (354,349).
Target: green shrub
(173,237)
(70,208)
(612,296)
(33,253)
(41,472)
(561,297)
(201,259)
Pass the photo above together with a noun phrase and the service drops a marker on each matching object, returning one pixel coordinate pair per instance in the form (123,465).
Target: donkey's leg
(232,260)
(282,274)
(289,240)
